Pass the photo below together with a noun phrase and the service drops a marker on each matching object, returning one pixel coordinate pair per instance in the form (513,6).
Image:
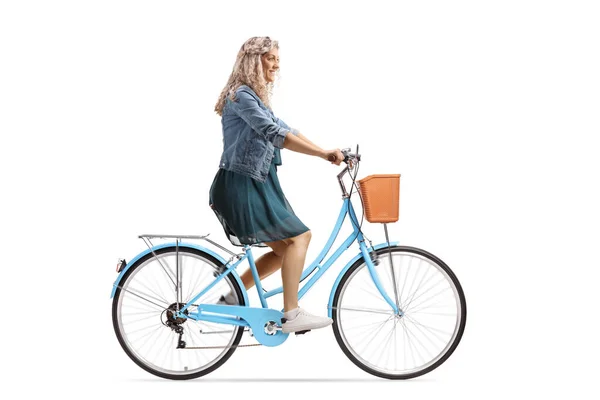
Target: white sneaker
(305,322)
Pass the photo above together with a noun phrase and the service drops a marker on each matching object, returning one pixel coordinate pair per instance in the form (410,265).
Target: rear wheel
(399,346)
(146,301)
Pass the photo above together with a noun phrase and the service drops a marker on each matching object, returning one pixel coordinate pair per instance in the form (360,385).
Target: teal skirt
(253,212)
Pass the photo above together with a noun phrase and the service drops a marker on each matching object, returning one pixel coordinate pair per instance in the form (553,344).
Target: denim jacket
(252,135)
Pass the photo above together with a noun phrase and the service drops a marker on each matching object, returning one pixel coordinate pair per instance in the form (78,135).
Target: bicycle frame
(156,302)
(255,317)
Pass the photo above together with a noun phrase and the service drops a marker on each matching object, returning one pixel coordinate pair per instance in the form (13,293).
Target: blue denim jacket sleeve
(249,110)
(281,123)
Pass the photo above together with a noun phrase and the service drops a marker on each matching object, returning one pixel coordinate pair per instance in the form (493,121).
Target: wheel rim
(148,295)
(394,345)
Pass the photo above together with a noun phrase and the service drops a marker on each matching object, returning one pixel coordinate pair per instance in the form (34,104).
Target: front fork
(395,305)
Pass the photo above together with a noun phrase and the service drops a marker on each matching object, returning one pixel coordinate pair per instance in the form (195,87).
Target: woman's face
(270,64)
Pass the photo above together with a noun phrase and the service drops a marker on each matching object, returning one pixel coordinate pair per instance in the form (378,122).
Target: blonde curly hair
(248,71)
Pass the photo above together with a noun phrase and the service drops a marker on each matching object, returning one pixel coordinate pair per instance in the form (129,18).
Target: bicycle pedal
(302,332)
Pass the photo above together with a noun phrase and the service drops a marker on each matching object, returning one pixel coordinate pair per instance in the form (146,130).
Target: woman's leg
(289,255)
(291,271)
(267,263)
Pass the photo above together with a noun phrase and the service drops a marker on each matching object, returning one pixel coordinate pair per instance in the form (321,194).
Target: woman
(245,194)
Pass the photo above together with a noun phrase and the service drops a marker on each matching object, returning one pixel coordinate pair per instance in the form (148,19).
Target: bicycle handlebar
(348,156)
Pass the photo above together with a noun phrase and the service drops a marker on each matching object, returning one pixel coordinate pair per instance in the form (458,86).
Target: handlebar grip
(332,158)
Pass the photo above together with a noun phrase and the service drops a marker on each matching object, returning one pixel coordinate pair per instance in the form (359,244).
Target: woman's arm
(301,136)
(301,145)
(297,142)
(280,122)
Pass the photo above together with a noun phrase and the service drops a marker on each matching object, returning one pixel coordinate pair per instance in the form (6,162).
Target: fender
(181,245)
(346,268)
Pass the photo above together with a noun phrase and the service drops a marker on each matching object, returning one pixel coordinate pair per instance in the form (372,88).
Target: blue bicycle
(399,312)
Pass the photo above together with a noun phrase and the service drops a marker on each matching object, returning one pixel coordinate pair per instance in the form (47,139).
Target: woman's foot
(299,320)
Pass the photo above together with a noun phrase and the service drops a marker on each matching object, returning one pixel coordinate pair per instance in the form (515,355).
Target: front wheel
(408,344)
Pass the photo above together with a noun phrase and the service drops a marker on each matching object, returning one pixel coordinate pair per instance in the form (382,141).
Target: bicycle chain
(221,347)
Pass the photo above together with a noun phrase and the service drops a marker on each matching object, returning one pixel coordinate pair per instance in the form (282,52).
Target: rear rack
(146,238)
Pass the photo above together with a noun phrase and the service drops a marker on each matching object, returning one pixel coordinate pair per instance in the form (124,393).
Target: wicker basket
(381,197)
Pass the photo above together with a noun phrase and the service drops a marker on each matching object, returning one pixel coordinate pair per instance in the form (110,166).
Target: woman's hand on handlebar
(335,156)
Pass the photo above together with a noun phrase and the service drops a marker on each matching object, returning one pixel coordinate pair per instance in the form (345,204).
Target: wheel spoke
(378,330)
(385,346)
(146,299)
(139,317)
(412,283)
(440,334)
(408,306)
(410,260)
(409,343)
(371,290)
(366,326)
(367,310)
(412,296)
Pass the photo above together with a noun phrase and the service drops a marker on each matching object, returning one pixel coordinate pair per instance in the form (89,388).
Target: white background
(487,109)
